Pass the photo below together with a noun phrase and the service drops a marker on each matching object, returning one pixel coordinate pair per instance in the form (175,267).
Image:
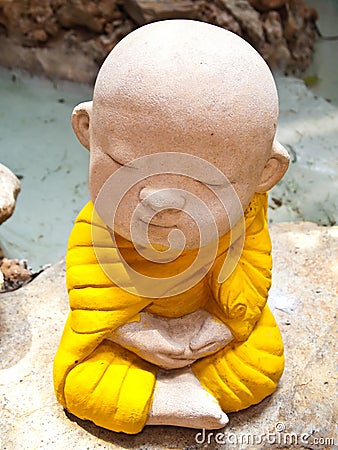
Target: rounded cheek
(245,193)
(94,188)
(124,213)
(100,170)
(222,221)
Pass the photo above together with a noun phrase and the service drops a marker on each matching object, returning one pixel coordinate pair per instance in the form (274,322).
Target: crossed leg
(118,390)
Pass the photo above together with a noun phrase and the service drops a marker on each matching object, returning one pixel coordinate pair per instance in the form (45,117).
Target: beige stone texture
(304,301)
(15,274)
(9,190)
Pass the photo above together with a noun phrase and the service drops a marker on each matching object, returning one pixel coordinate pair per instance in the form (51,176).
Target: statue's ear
(275,167)
(80,121)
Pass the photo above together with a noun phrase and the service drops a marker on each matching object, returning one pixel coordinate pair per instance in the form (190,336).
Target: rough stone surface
(14,273)
(304,300)
(266,5)
(9,190)
(69,39)
(145,11)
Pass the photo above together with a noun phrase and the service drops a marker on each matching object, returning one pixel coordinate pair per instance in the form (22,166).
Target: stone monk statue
(187,355)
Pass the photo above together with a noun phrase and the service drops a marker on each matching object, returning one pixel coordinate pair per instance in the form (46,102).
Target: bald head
(190,75)
(189,87)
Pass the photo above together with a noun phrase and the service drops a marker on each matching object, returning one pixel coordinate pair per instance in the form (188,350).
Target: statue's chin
(161,237)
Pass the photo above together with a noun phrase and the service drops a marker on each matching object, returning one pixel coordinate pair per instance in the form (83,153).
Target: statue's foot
(180,400)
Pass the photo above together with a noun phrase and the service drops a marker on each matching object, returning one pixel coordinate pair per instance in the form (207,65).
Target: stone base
(303,298)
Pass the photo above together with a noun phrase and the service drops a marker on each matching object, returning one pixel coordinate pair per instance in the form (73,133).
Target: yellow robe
(98,380)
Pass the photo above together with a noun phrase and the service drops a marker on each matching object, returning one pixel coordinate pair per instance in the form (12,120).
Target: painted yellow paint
(98,380)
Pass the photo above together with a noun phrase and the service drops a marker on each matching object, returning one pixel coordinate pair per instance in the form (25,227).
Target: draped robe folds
(98,380)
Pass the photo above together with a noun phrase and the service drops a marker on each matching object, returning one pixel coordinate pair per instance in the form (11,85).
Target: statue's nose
(160,199)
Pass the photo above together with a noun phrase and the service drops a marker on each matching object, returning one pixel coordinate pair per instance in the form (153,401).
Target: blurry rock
(9,190)
(145,11)
(28,22)
(299,32)
(15,274)
(209,12)
(88,14)
(248,18)
(69,39)
(267,5)
(275,50)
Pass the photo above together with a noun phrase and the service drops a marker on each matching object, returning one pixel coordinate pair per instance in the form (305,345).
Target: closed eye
(127,164)
(113,159)
(214,184)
